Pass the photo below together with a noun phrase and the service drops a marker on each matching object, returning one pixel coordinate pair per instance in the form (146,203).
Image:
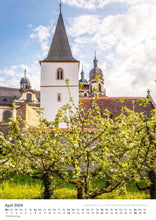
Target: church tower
(58,66)
(94,73)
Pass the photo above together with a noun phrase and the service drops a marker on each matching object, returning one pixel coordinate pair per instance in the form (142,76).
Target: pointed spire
(82,73)
(95,60)
(25,73)
(83,80)
(60,48)
(60,6)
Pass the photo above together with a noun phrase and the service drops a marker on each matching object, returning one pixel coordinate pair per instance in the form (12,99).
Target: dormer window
(29,97)
(59,74)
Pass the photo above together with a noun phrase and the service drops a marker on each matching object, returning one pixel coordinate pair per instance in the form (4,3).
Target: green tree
(92,148)
(34,152)
(97,149)
(143,155)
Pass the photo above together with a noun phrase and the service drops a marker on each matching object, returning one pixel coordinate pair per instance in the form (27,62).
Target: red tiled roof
(114,106)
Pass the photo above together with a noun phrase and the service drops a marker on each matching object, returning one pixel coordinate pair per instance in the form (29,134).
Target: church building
(58,66)
(96,80)
(26,101)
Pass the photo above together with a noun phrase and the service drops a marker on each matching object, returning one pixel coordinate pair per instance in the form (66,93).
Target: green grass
(24,187)
(21,187)
(132,193)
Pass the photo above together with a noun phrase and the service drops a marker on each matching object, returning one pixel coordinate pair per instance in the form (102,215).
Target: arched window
(59,74)
(91,90)
(99,87)
(6,116)
(29,97)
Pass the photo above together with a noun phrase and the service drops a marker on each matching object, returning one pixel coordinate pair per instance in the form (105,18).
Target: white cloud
(42,34)
(127,45)
(12,75)
(94,4)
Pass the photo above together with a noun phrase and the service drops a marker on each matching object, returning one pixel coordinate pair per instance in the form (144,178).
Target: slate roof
(60,50)
(9,92)
(6,100)
(114,106)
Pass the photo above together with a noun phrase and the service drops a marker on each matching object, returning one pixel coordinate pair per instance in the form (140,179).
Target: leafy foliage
(92,147)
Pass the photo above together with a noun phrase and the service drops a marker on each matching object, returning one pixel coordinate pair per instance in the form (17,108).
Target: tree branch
(103,190)
(63,177)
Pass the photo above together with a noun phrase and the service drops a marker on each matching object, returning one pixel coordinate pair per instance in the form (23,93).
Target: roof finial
(95,53)
(60,6)
(25,73)
(95,60)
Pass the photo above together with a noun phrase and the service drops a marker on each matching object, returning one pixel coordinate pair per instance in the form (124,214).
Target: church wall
(49,99)
(32,117)
(51,87)
(48,76)
(1,115)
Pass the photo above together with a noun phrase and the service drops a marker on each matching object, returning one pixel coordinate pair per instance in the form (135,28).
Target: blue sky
(122,32)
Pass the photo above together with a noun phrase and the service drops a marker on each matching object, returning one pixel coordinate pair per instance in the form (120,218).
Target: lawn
(24,187)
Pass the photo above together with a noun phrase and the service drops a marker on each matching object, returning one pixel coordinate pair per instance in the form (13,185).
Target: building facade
(58,66)
(21,97)
(95,83)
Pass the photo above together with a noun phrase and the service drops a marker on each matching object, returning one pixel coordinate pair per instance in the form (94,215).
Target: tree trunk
(47,183)
(79,192)
(152,176)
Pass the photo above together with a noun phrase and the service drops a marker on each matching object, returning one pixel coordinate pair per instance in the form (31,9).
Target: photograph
(77,109)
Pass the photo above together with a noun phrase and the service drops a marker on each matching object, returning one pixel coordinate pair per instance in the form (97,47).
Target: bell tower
(58,66)
(94,73)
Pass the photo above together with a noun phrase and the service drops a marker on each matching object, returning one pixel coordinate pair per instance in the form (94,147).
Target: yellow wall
(32,117)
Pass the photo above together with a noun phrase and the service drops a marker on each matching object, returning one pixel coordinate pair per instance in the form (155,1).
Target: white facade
(51,87)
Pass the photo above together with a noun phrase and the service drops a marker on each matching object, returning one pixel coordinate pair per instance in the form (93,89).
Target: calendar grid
(32,209)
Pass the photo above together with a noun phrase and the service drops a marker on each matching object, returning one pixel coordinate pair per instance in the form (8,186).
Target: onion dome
(25,82)
(83,80)
(96,71)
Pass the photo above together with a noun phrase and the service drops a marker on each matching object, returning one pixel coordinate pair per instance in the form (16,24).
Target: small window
(6,116)
(91,89)
(60,74)
(99,87)
(59,97)
(29,97)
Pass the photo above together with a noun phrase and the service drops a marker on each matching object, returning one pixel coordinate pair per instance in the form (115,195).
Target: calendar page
(77,209)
